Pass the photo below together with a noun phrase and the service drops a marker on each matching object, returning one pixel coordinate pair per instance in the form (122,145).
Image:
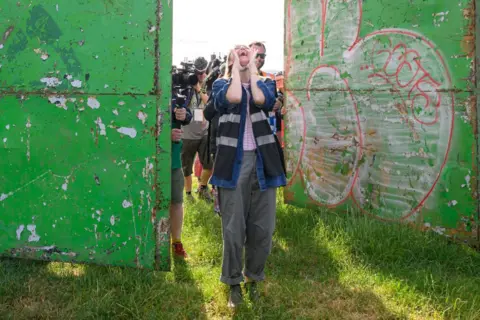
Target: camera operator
(195,135)
(180,116)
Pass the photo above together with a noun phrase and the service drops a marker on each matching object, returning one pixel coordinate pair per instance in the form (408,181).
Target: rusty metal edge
(476,5)
(161,225)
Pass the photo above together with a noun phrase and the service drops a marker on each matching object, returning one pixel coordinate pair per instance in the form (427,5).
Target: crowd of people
(230,136)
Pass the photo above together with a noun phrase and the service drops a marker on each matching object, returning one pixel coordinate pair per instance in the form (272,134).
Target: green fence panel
(85,131)
(382,114)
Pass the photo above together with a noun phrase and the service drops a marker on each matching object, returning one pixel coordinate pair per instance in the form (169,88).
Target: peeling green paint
(84,131)
(382,112)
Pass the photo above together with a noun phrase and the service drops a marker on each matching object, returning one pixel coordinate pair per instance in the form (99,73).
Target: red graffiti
(408,77)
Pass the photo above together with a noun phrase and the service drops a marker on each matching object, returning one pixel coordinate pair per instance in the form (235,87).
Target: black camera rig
(183,80)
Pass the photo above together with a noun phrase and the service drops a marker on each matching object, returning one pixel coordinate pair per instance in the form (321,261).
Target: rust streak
(156,84)
(468,41)
(7,34)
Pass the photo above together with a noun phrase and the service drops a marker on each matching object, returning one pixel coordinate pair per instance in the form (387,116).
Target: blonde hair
(229,67)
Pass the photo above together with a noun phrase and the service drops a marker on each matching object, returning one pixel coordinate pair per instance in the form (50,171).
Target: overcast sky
(201,27)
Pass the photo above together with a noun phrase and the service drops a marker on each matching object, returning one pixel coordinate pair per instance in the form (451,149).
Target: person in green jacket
(181,116)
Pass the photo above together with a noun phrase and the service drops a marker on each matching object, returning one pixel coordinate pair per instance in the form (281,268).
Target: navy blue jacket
(229,155)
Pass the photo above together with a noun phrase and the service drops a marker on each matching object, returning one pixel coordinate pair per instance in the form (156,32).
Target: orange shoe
(178,250)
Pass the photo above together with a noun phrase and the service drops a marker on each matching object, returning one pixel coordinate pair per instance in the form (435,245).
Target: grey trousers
(248,219)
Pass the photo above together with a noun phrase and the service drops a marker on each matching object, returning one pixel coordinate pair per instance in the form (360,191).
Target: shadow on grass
(303,275)
(41,290)
(302,278)
(424,268)
(15,285)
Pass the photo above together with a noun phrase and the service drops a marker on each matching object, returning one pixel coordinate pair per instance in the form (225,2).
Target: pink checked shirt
(248,138)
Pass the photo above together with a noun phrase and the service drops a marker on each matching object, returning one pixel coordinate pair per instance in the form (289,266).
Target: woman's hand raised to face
(236,60)
(252,55)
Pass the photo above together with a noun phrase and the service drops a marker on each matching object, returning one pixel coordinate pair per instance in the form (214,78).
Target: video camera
(183,80)
(184,76)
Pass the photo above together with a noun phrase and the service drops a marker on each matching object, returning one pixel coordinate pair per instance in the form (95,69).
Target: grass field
(323,266)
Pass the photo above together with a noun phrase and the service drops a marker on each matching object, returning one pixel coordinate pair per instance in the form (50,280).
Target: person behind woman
(247,171)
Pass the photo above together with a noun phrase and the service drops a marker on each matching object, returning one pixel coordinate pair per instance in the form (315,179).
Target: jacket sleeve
(188,117)
(268,89)
(219,92)
(209,111)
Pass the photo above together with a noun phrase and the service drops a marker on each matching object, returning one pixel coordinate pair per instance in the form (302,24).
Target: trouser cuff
(254,277)
(231,281)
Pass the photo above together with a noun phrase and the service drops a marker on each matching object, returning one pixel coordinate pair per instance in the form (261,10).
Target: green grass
(323,266)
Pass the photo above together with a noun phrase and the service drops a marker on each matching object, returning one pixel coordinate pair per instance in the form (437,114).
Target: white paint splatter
(1,46)
(101,126)
(147,169)
(112,220)
(93,103)
(76,83)
(452,203)
(44,56)
(439,230)
(131,132)
(467,179)
(105,86)
(4,140)
(56,7)
(144,106)
(34,237)
(51,81)
(4,196)
(142,116)
(19,231)
(115,112)
(69,77)
(29,124)
(7,127)
(126,204)
(152,29)
(45,248)
(439,17)
(121,103)
(59,101)
(65,186)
